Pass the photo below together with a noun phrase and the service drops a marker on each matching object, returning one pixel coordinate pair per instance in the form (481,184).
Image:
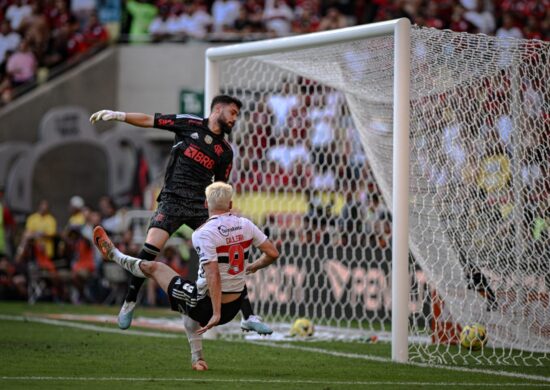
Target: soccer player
(223,244)
(200,153)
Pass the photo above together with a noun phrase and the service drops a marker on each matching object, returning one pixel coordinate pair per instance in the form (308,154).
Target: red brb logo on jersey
(166,122)
(218,150)
(195,154)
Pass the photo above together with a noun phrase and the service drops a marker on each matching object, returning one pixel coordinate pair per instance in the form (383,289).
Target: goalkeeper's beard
(226,128)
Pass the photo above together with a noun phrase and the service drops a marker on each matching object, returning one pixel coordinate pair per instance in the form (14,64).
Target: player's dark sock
(246,306)
(148,252)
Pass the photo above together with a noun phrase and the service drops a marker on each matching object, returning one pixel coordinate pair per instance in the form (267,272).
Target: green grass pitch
(71,355)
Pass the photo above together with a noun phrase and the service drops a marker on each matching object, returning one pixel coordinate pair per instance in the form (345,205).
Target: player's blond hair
(218,196)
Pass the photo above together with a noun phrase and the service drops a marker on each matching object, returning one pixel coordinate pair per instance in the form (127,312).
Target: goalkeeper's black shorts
(173,211)
(182,295)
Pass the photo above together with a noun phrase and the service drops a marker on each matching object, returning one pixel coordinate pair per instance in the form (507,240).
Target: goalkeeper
(223,244)
(200,153)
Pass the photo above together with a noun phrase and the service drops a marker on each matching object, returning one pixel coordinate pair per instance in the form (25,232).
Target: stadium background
(49,151)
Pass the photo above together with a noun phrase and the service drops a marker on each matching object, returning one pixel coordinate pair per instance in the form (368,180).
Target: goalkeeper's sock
(148,252)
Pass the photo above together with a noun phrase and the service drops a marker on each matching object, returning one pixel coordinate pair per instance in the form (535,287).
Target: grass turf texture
(46,356)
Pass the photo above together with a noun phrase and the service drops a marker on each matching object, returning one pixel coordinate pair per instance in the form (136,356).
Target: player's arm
(214,282)
(269,255)
(132,118)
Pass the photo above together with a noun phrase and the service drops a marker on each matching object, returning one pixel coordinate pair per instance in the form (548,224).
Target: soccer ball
(473,337)
(302,327)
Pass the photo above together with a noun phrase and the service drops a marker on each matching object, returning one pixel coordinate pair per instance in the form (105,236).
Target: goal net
(314,150)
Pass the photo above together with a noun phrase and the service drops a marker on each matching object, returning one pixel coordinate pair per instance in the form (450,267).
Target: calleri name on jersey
(197,156)
(228,239)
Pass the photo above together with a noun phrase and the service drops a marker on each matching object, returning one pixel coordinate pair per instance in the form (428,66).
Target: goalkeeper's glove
(108,115)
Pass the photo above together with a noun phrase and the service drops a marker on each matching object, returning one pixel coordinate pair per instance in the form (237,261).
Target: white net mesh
(314,165)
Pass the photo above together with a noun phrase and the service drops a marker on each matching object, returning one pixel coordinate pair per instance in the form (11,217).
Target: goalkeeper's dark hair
(226,99)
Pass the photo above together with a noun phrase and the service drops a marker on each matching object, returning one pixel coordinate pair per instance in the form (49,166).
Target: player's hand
(108,115)
(212,323)
(250,269)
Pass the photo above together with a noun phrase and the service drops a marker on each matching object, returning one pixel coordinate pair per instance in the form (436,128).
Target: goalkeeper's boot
(125,315)
(254,323)
(103,243)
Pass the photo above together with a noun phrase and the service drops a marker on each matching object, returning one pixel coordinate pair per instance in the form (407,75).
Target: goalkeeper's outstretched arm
(132,118)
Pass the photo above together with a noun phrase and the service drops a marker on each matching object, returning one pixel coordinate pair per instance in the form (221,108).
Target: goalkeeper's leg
(156,238)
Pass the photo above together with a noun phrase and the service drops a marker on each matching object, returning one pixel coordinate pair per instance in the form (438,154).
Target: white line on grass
(88,327)
(281,381)
(285,346)
(415,364)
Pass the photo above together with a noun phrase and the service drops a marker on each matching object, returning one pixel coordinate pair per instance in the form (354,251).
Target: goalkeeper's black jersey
(198,157)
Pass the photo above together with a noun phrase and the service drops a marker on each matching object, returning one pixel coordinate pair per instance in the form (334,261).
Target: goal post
(400,28)
(403,171)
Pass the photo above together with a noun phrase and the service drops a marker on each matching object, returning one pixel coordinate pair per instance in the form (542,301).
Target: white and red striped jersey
(227,239)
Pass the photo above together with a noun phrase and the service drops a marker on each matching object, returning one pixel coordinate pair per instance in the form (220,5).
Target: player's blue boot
(125,315)
(254,323)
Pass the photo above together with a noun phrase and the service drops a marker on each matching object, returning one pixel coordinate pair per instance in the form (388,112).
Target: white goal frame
(400,29)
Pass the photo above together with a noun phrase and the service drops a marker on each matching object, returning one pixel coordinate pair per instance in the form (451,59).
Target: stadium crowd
(295,139)
(251,19)
(38,35)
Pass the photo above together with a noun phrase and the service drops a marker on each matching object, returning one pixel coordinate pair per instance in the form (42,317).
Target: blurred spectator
(80,253)
(7,227)
(322,135)
(6,90)
(110,219)
(458,22)
(305,22)
(22,65)
(280,103)
(36,30)
(162,26)
(83,10)
(95,34)
(39,268)
(224,14)
(255,10)
(481,18)
(200,22)
(351,218)
(93,218)
(288,153)
(76,214)
(142,13)
(9,41)
(469,4)
(245,24)
(42,226)
(334,19)
(13,282)
(431,16)
(494,175)
(16,12)
(76,42)
(324,178)
(278,17)
(533,29)
(509,28)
